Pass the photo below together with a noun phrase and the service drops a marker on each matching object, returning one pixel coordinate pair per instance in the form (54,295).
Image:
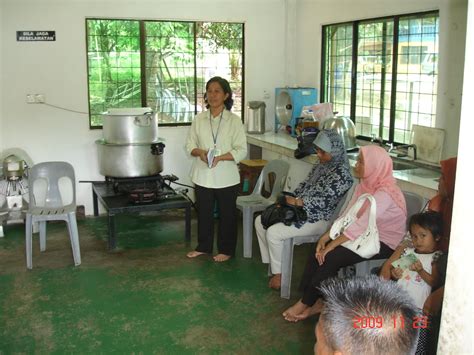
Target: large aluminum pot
(130,160)
(346,129)
(130,125)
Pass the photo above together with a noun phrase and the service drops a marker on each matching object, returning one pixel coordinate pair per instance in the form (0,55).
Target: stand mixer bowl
(346,129)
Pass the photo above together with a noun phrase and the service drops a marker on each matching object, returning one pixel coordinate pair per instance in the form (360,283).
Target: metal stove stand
(116,202)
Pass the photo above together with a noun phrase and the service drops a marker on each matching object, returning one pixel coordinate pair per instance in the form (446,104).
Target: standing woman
(219,133)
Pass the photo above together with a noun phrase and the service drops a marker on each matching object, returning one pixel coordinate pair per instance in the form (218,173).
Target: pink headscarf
(378,175)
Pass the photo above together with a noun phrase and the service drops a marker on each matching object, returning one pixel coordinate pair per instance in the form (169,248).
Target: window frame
(353,82)
(143,80)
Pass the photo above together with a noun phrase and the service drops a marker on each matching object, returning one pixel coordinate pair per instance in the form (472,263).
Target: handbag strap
(373,210)
(354,209)
(351,215)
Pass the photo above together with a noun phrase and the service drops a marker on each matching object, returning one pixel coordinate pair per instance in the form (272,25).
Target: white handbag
(368,243)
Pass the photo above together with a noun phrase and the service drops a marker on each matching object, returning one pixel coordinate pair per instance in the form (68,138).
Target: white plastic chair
(415,204)
(50,207)
(289,244)
(255,202)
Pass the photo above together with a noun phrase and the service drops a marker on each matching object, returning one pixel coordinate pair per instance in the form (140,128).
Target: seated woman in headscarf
(374,169)
(319,195)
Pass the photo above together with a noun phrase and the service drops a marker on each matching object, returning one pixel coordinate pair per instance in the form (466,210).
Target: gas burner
(126,185)
(143,189)
(142,195)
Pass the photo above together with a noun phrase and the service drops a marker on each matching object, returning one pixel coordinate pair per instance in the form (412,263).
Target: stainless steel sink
(353,155)
(408,167)
(402,165)
(426,173)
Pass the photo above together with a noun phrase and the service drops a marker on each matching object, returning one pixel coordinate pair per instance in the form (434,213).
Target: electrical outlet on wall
(40,98)
(35,98)
(30,98)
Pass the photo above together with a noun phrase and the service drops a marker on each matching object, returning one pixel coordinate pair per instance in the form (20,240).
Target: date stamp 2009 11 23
(371,322)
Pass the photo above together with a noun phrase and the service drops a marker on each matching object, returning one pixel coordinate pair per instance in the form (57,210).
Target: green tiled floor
(146,297)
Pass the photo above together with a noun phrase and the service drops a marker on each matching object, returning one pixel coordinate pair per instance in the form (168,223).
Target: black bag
(282,212)
(305,142)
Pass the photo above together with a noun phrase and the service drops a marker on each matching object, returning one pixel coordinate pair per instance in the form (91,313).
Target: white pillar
(456,335)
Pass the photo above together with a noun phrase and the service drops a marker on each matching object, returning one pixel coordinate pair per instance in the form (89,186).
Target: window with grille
(383,73)
(161,64)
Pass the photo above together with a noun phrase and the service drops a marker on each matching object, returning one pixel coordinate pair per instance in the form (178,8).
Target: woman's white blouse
(230,139)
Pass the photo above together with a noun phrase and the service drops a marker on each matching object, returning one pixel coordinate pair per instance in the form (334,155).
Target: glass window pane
(173,82)
(414,83)
(219,51)
(418,72)
(113,50)
(338,66)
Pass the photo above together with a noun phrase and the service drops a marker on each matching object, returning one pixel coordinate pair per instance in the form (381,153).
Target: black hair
(429,220)
(224,84)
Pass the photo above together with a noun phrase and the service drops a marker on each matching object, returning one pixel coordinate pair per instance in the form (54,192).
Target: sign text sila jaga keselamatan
(23,36)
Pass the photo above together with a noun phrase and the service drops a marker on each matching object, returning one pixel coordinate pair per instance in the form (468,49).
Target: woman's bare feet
(221,257)
(194,253)
(311,311)
(275,282)
(297,309)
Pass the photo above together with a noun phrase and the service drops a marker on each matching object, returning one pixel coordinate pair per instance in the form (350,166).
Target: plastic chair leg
(365,267)
(362,268)
(42,233)
(247,222)
(28,241)
(286,267)
(74,236)
(35,227)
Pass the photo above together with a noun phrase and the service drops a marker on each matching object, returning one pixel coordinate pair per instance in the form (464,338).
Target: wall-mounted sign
(23,36)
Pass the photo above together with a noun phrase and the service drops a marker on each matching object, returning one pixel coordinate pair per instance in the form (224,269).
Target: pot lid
(104,142)
(131,111)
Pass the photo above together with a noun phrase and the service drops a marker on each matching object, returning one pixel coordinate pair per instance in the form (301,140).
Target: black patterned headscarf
(338,150)
(327,182)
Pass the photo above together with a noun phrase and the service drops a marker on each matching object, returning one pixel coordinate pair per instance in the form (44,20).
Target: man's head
(365,315)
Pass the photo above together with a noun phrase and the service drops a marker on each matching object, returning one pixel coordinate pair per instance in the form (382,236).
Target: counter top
(423,180)
(281,143)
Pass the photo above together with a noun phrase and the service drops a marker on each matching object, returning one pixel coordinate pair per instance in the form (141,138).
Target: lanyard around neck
(214,137)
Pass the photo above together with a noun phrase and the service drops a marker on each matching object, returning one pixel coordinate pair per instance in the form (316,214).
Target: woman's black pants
(227,232)
(314,273)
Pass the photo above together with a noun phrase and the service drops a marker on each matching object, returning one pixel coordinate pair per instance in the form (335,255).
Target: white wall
(1,80)
(283,47)
(456,334)
(58,70)
(312,14)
